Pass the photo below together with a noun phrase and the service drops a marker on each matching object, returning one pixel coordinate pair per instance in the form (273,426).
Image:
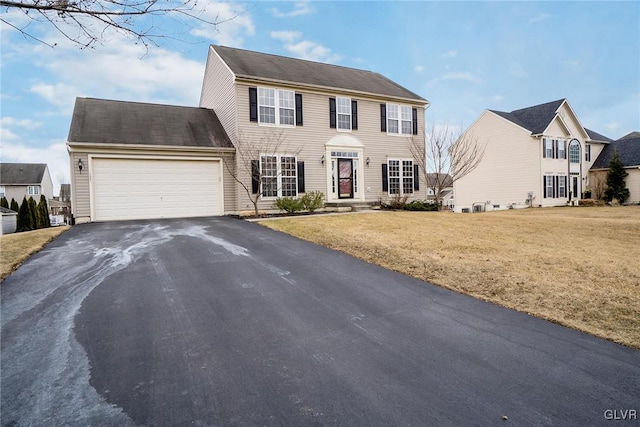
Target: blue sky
(464,57)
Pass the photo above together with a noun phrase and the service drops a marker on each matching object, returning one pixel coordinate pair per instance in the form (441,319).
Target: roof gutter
(252,79)
(78,146)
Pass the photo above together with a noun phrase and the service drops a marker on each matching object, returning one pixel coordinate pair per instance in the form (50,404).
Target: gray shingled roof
(628,147)
(595,136)
(22,173)
(535,119)
(7,211)
(258,65)
(444,178)
(120,122)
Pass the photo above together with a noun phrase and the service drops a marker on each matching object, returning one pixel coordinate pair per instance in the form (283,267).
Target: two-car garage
(132,160)
(150,188)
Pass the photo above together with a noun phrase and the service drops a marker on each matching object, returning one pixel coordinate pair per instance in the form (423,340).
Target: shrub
(288,204)
(14,205)
(312,200)
(36,220)
(4,203)
(24,217)
(397,201)
(43,208)
(421,205)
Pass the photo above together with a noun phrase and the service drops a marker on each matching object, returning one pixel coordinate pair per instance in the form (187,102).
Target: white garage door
(151,188)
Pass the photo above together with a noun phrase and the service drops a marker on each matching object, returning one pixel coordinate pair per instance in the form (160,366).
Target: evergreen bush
(24,217)
(616,188)
(36,221)
(3,202)
(14,205)
(43,207)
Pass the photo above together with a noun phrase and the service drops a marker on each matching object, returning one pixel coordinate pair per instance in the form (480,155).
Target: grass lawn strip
(17,247)
(574,266)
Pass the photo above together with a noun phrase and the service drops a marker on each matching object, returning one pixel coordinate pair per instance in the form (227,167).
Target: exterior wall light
(80,165)
(322,159)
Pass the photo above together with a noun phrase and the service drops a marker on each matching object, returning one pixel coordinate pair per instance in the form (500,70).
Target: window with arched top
(574,152)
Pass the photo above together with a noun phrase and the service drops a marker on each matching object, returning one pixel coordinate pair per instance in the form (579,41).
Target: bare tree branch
(445,156)
(84,22)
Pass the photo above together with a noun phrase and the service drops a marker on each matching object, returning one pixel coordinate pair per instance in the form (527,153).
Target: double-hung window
(561,149)
(548,148)
(562,189)
(276,106)
(279,176)
(392,118)
(548,184)
(33,190)
(587,152)
(400,120)
(343,106)
(400,176)
(405,113)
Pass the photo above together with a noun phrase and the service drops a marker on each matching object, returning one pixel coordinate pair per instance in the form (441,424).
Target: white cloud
(12,121)
(300,8)
(286,36)
(464,75)
(234,23)
(54,155)
(418,68)
(539,17)
(59,94)
(7,135)
(450,54)
(305,49)
(613,126)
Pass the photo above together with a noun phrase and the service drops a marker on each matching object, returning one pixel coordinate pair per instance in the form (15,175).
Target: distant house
(628,148)
(8,220)
(19,180)
(535,156)
(345,132)
(445,182)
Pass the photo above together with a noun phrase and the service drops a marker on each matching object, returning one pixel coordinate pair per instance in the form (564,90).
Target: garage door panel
(153,188)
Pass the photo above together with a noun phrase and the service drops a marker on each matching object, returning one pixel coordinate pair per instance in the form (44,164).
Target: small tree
(14,205)
(36,221)
(248,171)
(598,185)
(444,156)
(43,208)
(616,187)
(24,217)
(3,202)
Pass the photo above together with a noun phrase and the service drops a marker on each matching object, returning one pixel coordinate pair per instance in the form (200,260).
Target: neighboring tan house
(20,180)
(628,148)
(308,126)
(535,156)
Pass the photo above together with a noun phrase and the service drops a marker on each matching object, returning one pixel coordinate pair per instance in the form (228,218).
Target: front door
(345,178)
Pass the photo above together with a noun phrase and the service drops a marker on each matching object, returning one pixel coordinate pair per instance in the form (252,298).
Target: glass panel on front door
(345,178)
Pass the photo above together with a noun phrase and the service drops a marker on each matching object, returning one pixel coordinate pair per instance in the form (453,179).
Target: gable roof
(262,66)
(444,178)
(22,173)
(535,119)
(120,122)
(628,147)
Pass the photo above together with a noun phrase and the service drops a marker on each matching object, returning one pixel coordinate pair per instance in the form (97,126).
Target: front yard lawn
(15,248)
(579,267)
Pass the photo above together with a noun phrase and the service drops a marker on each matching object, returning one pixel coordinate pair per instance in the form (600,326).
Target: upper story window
(273,106)
(548,148)
(574,152)
(2,190)
(587,152)
(343,106)
(561,150)
(343,114)
(398,119)
(33,190)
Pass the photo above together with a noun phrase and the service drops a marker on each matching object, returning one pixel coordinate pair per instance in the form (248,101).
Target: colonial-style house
(267,126)
(628,148)
(20,180)
(535,156)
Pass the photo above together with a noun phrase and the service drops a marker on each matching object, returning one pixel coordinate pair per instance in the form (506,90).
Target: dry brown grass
(579,267)
(17,247)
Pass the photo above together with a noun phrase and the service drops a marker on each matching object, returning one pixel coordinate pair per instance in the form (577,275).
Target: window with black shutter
(354,115)
(383,117)
(332,113)
(298,109)
(253,104)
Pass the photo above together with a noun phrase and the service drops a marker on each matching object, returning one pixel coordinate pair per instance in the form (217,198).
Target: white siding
(218,93)
(8,223)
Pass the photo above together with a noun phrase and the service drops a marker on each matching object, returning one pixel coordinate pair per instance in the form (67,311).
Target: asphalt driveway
(218,321)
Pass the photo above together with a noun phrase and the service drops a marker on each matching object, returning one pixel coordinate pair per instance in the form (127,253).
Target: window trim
(401,176)
(576,145)
(562,186)
(548,184)
(399,118)
(33,190)
(347,102)
(279,175)
(277,106)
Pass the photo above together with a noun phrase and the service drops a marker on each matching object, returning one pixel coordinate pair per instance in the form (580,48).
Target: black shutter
(544,186)
(555,148)
(564,149)
(332,113)
(566,192)
(301,177)
(354,115)
(544,149)
(414,114)
(255,176)
(416,177)
(383,118)
(253,104)
(385,178)
(298,109)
